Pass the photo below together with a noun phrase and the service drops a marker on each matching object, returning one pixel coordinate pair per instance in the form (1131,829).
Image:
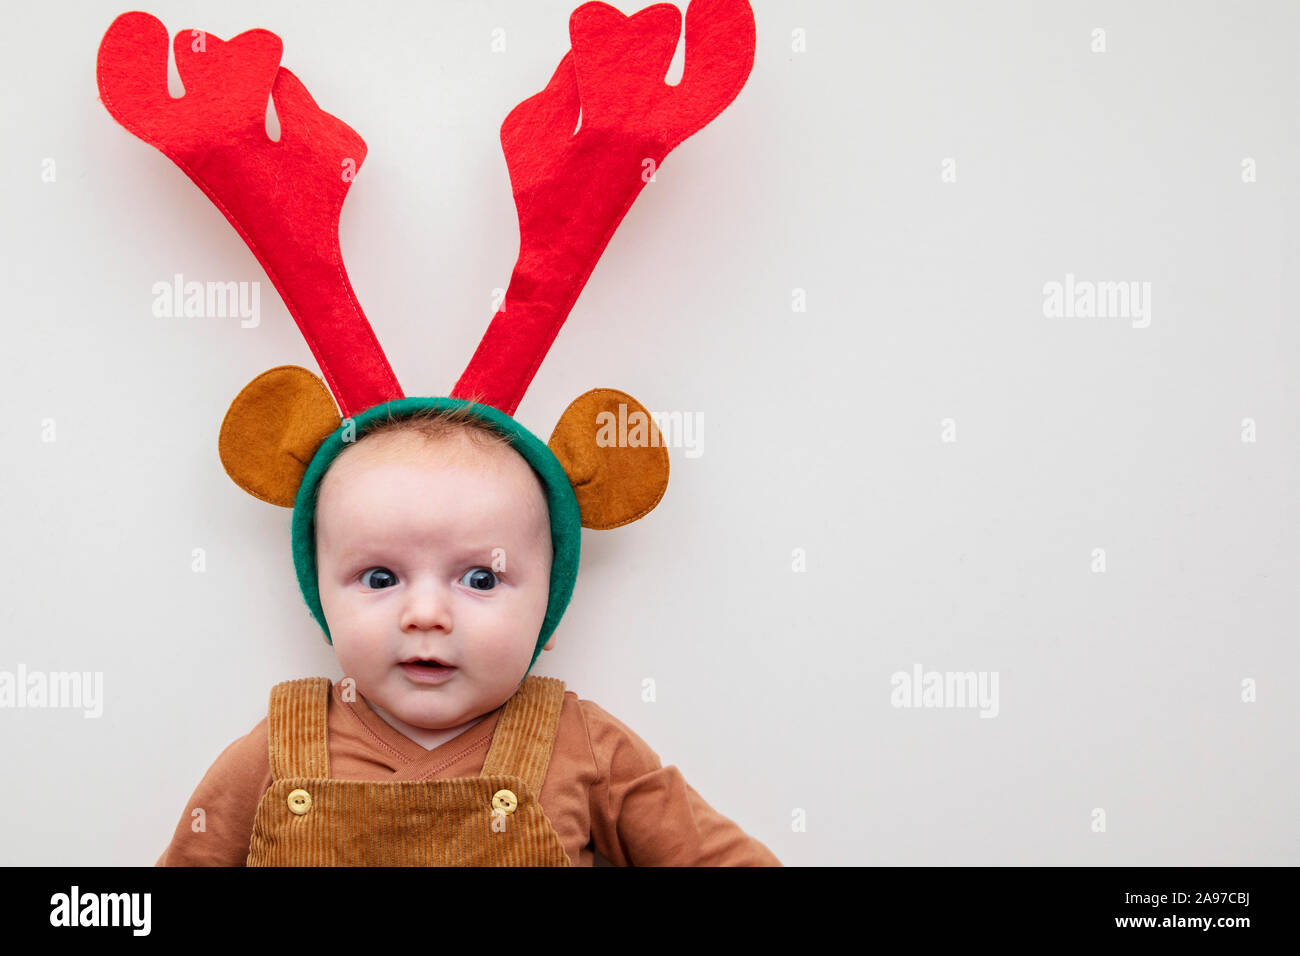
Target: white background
(822,429)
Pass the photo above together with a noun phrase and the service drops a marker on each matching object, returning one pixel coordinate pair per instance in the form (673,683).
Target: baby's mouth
(420,671)
(429,665)
(427,669)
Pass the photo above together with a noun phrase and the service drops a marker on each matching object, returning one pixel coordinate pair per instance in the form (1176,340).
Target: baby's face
(406,536)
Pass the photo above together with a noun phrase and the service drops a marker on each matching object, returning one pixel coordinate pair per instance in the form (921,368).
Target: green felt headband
(566,524)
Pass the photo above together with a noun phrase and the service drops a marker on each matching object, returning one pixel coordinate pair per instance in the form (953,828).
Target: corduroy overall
(305,818)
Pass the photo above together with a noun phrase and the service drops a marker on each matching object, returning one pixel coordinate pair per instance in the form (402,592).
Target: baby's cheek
(349,625)
(357,655)
(510,635)
(330,604)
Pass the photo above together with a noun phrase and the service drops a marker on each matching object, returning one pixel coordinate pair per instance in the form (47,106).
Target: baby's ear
(272,431)
(614,457)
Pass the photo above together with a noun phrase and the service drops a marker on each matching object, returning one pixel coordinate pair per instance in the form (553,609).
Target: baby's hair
(439,427)
(438,423)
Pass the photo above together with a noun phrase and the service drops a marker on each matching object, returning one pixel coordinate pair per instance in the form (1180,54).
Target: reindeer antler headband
(571,189)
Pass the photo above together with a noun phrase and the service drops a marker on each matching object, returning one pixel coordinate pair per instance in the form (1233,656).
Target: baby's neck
(428,739)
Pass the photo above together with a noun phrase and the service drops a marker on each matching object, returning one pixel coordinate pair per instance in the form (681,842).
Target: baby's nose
(427,607)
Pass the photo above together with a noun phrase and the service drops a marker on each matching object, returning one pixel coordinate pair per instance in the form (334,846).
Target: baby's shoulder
(605,732)
(246,757)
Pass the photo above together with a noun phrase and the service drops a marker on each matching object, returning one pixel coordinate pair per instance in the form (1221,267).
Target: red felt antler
(573,189)
(283,197)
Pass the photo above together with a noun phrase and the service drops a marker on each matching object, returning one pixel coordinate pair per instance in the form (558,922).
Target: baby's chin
(438,711)
(444,716)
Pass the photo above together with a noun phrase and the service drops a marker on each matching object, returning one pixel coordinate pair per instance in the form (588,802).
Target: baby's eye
(480,579)
(383,578)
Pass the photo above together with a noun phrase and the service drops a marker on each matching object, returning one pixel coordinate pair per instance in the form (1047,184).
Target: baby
(437,551)
(433,551)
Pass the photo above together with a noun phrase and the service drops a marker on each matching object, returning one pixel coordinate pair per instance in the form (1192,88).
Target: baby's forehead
(457,450)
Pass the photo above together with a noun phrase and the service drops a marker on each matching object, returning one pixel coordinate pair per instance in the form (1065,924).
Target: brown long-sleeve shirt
(604,789)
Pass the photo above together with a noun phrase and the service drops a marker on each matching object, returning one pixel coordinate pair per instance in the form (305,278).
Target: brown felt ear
(614,457)
(272,430)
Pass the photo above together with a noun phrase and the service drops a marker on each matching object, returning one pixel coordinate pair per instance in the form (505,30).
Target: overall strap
(296,721)
(525,734)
